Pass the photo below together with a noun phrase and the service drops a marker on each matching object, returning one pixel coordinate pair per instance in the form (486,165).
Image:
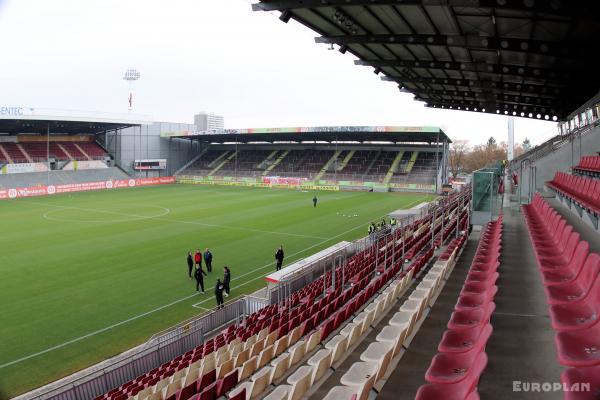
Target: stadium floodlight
(131,75)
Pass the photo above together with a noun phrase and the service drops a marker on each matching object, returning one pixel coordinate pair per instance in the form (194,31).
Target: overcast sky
(213,55)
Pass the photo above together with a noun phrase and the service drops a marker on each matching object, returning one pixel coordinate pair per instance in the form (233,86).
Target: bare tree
(458,152)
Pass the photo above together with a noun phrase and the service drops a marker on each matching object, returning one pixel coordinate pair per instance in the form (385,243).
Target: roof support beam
(501,86)
(471,42)
(488,95)
(540,74)
(571,8)
(502,109)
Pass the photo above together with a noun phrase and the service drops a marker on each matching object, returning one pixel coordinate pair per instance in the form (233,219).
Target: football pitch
(86,276)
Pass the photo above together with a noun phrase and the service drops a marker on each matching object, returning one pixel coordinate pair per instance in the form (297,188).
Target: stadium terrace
(152,260)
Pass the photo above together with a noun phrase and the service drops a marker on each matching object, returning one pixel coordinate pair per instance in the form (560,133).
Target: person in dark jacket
(198,258)
(199,275)
(279,257)
(226,280)
(219,293)
(190,261)
(315,201)
(208,259)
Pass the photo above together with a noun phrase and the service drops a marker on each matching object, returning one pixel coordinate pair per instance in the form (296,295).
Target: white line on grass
(105,329)
(160,218)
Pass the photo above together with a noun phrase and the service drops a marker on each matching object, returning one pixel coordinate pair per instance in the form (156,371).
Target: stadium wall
(297,183)
(34,191)
(145,142)
(562,159)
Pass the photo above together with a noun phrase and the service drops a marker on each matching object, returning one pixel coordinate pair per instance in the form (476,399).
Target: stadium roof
(515,57)
(392,134)
(16,120)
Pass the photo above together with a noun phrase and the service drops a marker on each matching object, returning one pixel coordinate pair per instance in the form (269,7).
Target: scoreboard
(150,164)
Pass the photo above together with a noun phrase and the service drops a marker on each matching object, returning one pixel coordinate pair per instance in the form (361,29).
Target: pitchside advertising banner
(82,187)
(22,168)
(295,183)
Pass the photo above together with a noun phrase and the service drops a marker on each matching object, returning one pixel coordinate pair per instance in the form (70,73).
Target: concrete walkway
(521,348)
(410,372)
(587,233)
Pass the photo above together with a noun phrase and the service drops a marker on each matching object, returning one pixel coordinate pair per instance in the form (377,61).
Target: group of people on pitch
(221,287)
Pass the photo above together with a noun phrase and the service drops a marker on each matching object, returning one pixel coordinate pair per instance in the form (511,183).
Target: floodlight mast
(131,75)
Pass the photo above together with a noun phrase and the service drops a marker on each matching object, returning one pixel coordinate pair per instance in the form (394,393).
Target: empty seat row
(570,274)
(39,151)
(299,382)
(583,191)
(390,340)
(264,346)
(588,165)
(260,337)
(455,370)
(335,348)
(306,376)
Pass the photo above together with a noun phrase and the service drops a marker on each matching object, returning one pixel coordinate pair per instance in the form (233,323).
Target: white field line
(105,329)
(138,217)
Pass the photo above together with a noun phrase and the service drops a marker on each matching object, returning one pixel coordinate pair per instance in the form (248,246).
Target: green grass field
(88,275)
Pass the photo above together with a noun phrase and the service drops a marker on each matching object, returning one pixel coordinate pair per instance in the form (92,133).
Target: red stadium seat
(463,340)
(577,289)
(577,315)
(455,391)
(581,383)
(579,348)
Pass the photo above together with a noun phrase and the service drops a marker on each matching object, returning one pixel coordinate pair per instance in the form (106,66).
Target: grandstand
(489,292)
(386,158)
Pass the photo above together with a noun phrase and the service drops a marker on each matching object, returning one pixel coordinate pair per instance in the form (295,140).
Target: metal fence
(152,354)
(298,279)
(254,304)
(158,350)
(176,341)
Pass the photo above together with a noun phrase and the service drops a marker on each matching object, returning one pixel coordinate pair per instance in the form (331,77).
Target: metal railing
(290,284)
(144,358)
(159,349)
(171,343)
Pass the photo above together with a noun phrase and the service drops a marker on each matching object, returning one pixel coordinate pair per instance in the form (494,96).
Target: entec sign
(82,187)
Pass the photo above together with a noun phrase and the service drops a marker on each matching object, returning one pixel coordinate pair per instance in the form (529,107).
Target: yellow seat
(320,363)
(265,356)
(280,366)
(351,330)
(241,358)
(247,368)
(256,385)
(297,352)
(225,368)
(257,348)
(313,341)
(281,345)
(338,346)
(380,353)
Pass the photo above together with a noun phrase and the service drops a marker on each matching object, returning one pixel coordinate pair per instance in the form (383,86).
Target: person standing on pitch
(198,258)
(279,257)
(199,275)
(190,261)
(315,201)
(219,293)
(226,280)
(208,259)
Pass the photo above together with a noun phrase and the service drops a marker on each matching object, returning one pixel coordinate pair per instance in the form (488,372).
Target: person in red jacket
(198,259)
